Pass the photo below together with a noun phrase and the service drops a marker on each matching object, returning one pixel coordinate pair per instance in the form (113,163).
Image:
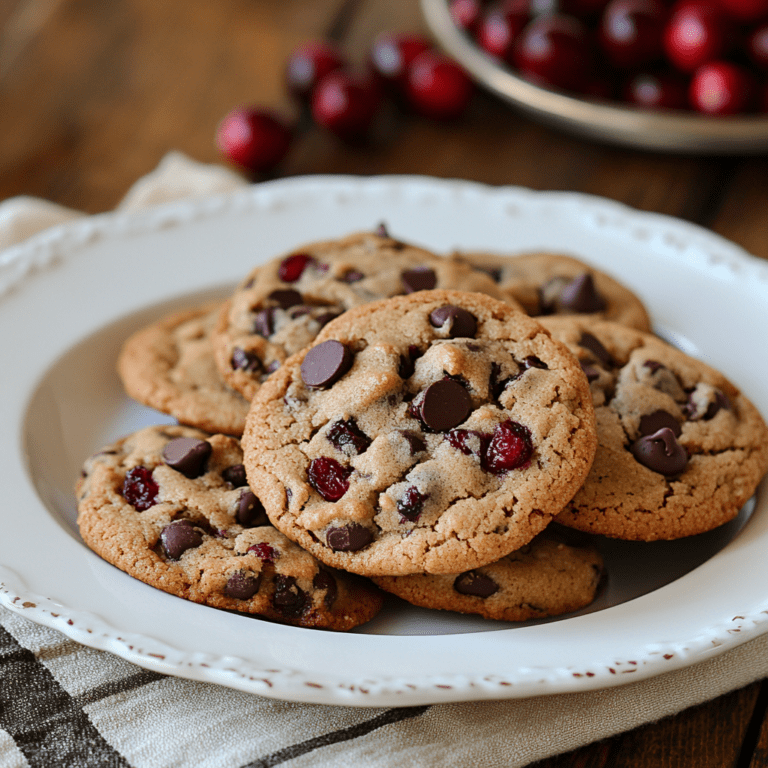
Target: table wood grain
(94,93)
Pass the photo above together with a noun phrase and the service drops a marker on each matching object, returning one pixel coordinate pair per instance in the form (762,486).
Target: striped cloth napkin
(64,704)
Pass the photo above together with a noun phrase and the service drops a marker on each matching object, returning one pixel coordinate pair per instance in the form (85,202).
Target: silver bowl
(666,131)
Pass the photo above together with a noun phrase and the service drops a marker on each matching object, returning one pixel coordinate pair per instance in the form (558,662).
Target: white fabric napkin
(63,704)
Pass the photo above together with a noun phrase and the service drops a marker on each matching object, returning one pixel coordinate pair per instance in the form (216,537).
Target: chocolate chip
(653,422)
(411,504)
(348,538)
(324,580)
(533,362)
(593,345)
(273,366)
(187,455)
(590,371)
(242,585)
(178,537)
(415,443)
(245,361)
(549,294)
(285,298)
(419,279)
(250,511)
(325,364)
(581,296)
(455,320)
(352,276)
(264,322)
(326,318)
(381,230)
(299,311)
(289,599)
(235,475)
(653,365)
(476,584)
(704,408)
(493,272)
(445,405)
(407,365)
(661,452)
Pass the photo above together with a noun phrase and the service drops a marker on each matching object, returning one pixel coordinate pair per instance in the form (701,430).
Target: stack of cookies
(364,415)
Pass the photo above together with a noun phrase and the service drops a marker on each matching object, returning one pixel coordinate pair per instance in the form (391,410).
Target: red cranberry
(253,139)
(554,51)
(757,46)
(745,10)
(346,433)
(264,552)
(466,13)
(664,90)
(345,104)
(697,32)
(392,54)
(329,478)
(309,64)
(499,27)
(631,31)
(411,504)
(292,267)
(139,488)
(437,87)
(721,88)
(510,448)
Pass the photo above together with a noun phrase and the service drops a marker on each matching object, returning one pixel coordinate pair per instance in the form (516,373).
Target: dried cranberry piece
(344,433)
(510,448)
(352,276)
(460,440)
(329,478)
(264,552)
(289,599)
(292,267)
(411,504)
(324,580)
(139,488)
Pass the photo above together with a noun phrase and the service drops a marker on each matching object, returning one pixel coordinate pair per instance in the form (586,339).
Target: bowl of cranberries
(670,75)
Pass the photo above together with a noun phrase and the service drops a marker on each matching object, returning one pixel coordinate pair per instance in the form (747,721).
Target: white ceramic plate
(659,130)
(68,298)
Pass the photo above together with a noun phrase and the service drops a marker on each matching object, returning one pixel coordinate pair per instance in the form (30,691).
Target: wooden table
(93,94)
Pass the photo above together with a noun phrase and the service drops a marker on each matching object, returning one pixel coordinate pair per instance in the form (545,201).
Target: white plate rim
(693,247)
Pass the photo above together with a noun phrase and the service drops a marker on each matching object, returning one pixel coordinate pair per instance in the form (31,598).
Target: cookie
(171,507)
(435,432)
(553,283)
(169,366)
(281,306)
(547,577)
(680,448)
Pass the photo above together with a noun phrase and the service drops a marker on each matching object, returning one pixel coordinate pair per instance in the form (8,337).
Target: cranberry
(411,504)
(664,90)
(329,478)
(745,10)
(139,488)
(697,32)
(347,433)
(345,104)
(466,13)
(309,64)
(509,448)
(468,441)
(554,51)
(631,32)
(264,552)
(757,46)
(254,139)
(292,267)
(499,27)
(437,87)
(721,88)
(392,54)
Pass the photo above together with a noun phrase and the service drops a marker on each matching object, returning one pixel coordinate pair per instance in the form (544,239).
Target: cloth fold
(63,704)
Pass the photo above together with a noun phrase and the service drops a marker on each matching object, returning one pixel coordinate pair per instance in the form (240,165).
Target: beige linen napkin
(63,704)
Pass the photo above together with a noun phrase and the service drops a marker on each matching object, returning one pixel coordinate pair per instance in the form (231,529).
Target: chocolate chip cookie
(556,284)
(169,366)
(681,449)
(171,506)
(435,432)
(547,577)
(280,307)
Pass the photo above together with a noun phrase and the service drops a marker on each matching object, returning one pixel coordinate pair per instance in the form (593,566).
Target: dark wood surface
(94,92)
